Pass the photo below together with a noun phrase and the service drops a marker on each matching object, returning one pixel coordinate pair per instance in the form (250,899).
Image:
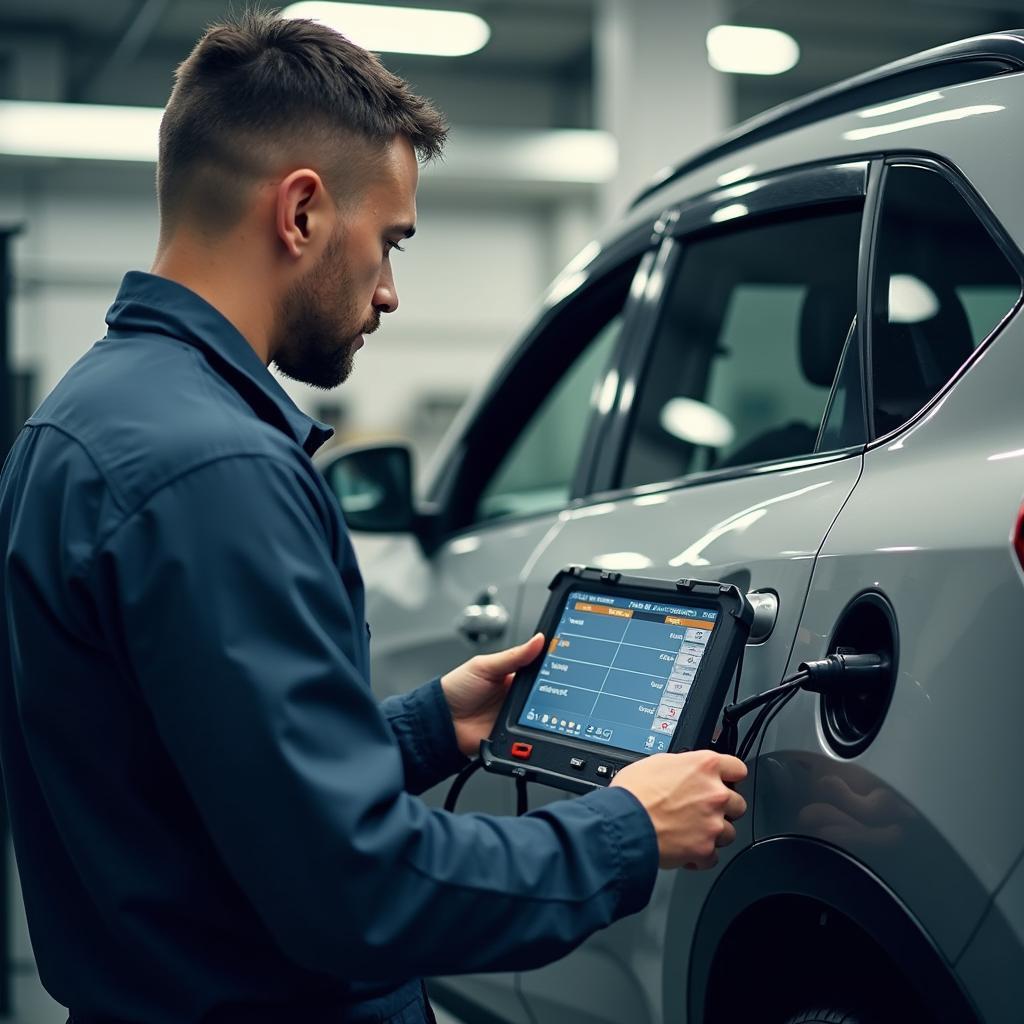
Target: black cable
(739,669)
(522,797)
(765,715)
(460,781)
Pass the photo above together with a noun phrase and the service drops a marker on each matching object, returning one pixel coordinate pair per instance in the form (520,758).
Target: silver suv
(795,365)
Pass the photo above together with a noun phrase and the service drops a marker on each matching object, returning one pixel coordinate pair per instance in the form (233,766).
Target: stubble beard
(313,314)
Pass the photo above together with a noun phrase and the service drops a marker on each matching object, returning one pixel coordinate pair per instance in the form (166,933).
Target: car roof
(962,103)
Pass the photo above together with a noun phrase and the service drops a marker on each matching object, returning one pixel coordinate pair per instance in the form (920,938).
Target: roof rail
(952,64)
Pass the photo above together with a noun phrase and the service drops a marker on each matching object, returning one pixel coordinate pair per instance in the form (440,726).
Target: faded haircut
(258,86)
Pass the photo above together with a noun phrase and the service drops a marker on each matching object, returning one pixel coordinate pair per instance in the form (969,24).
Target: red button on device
(522,750)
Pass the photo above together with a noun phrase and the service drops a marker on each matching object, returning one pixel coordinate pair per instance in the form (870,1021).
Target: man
(213,819)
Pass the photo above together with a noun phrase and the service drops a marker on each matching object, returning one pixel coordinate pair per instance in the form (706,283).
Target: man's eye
(391,246)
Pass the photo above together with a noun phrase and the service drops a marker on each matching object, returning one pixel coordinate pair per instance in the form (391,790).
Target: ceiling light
(79,130)
(751,51)
(399,29)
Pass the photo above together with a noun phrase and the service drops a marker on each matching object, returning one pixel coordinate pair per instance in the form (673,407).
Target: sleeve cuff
(422,724)
(635,841)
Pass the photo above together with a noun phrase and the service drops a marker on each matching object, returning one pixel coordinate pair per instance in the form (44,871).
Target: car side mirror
(373,485)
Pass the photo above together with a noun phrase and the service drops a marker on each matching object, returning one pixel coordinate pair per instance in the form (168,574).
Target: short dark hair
(259,81)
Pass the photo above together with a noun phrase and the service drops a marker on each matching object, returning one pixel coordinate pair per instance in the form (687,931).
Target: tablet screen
(618,671)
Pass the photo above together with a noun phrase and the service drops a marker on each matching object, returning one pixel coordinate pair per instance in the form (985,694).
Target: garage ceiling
(125,50)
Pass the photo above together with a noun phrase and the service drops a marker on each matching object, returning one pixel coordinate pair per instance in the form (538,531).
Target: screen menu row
(618,671)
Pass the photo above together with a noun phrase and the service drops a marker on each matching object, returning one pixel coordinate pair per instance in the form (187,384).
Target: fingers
(731,769)
(503,662)
(727,835)
(735,806)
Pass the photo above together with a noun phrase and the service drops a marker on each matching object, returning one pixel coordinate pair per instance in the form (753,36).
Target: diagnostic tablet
(632,667)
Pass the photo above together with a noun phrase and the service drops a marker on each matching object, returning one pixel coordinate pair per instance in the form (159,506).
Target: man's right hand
(691,807)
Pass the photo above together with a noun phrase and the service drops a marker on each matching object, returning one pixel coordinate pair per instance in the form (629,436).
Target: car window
(747,346)
(537,472)
(942,284)
(552,391)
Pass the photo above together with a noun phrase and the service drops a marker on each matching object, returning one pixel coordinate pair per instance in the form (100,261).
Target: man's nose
(385,297)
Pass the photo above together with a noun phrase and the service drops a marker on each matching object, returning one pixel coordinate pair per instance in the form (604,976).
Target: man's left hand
(476,690)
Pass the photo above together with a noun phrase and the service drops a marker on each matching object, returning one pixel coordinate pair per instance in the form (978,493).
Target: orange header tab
(603,609)
(675,620)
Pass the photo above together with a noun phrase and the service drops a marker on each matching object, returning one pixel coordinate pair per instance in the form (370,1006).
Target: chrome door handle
(485,621)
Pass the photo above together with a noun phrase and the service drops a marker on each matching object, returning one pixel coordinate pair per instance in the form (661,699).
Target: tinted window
(539,421)
(941,286)
(747,347)
(537,473)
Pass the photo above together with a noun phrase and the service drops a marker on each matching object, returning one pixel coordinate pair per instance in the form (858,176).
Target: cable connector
(844,664)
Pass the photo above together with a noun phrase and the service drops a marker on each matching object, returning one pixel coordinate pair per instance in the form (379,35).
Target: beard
(318,327)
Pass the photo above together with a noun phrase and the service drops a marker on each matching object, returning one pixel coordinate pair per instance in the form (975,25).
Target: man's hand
(476,689)
(691,807)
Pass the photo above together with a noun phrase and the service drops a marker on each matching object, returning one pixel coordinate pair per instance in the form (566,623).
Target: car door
(737,438)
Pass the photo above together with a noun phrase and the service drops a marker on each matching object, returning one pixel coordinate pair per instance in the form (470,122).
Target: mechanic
(213,819)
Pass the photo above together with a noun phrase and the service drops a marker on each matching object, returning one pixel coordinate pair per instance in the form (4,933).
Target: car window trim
(795,189)
(637,245)
(710,476)
(999,235)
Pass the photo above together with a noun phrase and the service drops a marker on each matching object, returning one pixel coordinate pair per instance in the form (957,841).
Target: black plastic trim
(794,865)
(990,55)
(790,189)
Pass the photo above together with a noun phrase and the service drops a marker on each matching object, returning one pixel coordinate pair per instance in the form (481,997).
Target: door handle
(486,620)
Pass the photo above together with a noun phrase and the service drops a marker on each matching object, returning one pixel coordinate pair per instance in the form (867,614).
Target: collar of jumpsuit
(147,303)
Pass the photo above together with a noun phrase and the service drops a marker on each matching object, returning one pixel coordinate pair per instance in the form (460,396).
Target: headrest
(825,320)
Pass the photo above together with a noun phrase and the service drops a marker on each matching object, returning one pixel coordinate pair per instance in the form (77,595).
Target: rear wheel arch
(796,915)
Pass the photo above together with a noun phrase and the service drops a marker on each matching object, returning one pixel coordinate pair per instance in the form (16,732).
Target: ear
(301,211)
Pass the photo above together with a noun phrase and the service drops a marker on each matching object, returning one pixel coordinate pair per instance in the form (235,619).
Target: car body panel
(990,967)
(761,530)
(942,775)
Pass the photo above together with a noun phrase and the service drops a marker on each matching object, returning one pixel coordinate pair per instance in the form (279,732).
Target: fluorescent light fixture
(858,134)
(751,51)
(399,29)
(79,130)
(911,301)
(730,212)
(892,108)
(83,131)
